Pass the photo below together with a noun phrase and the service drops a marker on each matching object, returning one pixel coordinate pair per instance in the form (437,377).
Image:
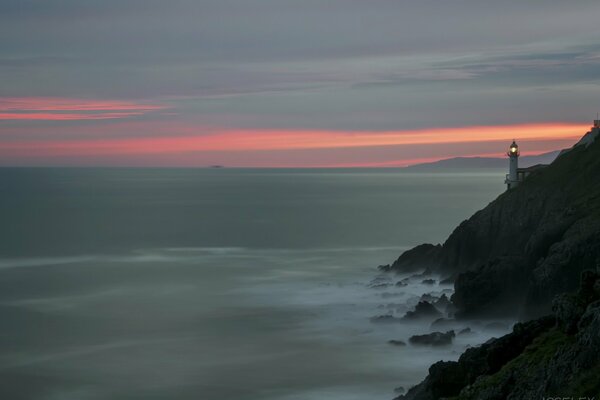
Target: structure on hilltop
(512,179)
(515,174)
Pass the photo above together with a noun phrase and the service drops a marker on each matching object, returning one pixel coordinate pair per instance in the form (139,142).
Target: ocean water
(219,283)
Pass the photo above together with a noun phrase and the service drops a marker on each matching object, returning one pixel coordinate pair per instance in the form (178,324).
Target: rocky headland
(528,245)
(531,254)
(553,356)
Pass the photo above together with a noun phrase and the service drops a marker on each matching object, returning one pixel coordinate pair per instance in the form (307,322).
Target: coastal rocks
(447,324)
(403,282)
(399,390)
(554,364)
(448,378)
(550,356)
(422,310)
(428,281)
(380,282)
(578,250)
(380,285)
(443,303)
(511,259)
(496,289)
(428,297)
(530,244)
(422,257)
(568,309)
(433,339)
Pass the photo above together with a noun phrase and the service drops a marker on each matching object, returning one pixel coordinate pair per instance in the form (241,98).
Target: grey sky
(328,64)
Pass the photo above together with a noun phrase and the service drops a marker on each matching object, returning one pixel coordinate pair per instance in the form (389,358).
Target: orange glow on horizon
(271,140)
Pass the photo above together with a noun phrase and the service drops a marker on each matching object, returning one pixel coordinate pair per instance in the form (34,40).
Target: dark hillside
(528,245)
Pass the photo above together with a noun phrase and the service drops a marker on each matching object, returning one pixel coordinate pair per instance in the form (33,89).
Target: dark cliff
(525,247)
(556,356)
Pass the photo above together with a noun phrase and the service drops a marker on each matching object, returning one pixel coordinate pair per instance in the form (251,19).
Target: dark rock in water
(422,310)
(397,342)
(433,339)
(380,281)
(442,303)
(428,282)
(428,297)
(384,319)
(425,256)
(399,390)
(380,285)
(448,378)
(538,359)
(401,284)
(448,281)
(465,331)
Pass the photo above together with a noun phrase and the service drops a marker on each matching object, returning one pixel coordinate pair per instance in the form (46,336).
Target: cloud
(260,141)
(292,66)
(65,109)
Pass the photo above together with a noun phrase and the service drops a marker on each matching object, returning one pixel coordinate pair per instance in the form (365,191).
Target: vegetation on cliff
(554,356)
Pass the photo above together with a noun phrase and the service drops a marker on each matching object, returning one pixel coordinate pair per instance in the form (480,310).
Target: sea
(220,283)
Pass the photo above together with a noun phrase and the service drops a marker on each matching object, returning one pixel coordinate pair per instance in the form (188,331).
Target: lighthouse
(512,179)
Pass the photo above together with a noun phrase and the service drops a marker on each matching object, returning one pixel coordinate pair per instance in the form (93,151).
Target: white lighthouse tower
(512,179)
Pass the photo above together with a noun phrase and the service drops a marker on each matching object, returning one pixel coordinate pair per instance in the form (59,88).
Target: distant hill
(481,162)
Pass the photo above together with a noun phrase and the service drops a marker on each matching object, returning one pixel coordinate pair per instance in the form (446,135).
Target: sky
(292,83)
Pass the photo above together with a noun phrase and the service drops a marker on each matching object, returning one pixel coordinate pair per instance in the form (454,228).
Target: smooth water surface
(216,283)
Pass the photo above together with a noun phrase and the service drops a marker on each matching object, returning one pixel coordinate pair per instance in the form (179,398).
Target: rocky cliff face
(528,245)
(554,356)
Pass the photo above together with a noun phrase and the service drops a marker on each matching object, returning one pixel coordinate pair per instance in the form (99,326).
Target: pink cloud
(67,109)
(65,116)
(179,146)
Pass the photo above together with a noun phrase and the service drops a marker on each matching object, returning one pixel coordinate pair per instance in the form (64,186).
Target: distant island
(481,162)
(533,254)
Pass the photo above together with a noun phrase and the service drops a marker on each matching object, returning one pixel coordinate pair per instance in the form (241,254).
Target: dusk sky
(292,83)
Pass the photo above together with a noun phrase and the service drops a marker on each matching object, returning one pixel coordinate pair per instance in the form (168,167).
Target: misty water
(219,283)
